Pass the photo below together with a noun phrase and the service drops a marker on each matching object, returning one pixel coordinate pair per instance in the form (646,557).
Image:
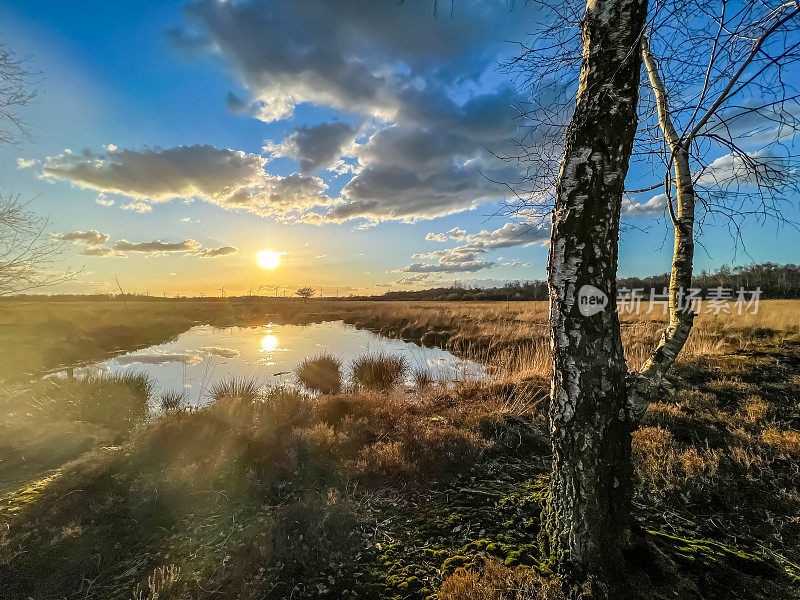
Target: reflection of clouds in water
(191,358)
(217,351)
(437,362)
(453,367)
(160,358)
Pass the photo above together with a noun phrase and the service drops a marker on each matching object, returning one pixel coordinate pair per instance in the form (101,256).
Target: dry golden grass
(785,441)
(662,464)
(514,335)
(754,410)
(712,438)
(497,582)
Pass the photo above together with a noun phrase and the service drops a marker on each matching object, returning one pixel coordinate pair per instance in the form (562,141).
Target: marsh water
(197,358)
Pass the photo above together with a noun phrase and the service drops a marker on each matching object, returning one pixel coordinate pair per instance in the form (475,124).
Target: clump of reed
(163,582)
(242,388)
(321,374)
(423,379)
(117,400)
(172,400)
(48,422)
(495,581)
(378,371)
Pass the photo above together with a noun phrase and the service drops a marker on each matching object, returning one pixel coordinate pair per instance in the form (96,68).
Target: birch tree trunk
(591,488)
(681,315)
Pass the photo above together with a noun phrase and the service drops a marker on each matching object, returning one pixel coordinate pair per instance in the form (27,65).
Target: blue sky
(341,139)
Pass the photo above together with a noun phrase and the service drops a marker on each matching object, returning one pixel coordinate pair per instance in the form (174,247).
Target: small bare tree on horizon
(305,292)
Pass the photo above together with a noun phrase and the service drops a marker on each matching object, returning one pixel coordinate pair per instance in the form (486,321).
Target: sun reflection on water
(269,343)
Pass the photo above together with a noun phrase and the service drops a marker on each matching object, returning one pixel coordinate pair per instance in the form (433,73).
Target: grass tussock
(784,441)
(423,379)
(51,421)
(662,463)
(266,480)
(241,388)
(118,401)
(172,400)
(321,374)
(163,584)
(495,581)
(266,437)
(378,371)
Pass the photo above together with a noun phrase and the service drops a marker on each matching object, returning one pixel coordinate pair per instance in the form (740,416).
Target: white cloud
(102,252)
(157,246)
(102,200)
(88,238)
(467,256)
(510,234)
(448,267)
(417,279)
(25,164)
(229,178)
(218,252)
(93,241)
(756,125)
(728,172)
(654,206)
(746,169)
(139,207)
(455,233)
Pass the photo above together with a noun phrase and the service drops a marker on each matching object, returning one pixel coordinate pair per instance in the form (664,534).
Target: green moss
(696,554)
(453,563)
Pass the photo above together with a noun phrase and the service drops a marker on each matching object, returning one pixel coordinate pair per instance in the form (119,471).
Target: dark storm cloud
(315,147)
(384,192)
(398,62)
(354,55)
(430,126)
(159,174)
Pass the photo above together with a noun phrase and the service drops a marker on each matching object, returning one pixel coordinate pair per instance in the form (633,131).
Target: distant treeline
(776,281)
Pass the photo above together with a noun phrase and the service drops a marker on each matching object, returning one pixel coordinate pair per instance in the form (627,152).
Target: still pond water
(205,354)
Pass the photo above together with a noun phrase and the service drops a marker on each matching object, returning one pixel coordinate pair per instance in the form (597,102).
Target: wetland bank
(415,491)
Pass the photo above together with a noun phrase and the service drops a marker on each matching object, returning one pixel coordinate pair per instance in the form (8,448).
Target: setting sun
(268,259)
